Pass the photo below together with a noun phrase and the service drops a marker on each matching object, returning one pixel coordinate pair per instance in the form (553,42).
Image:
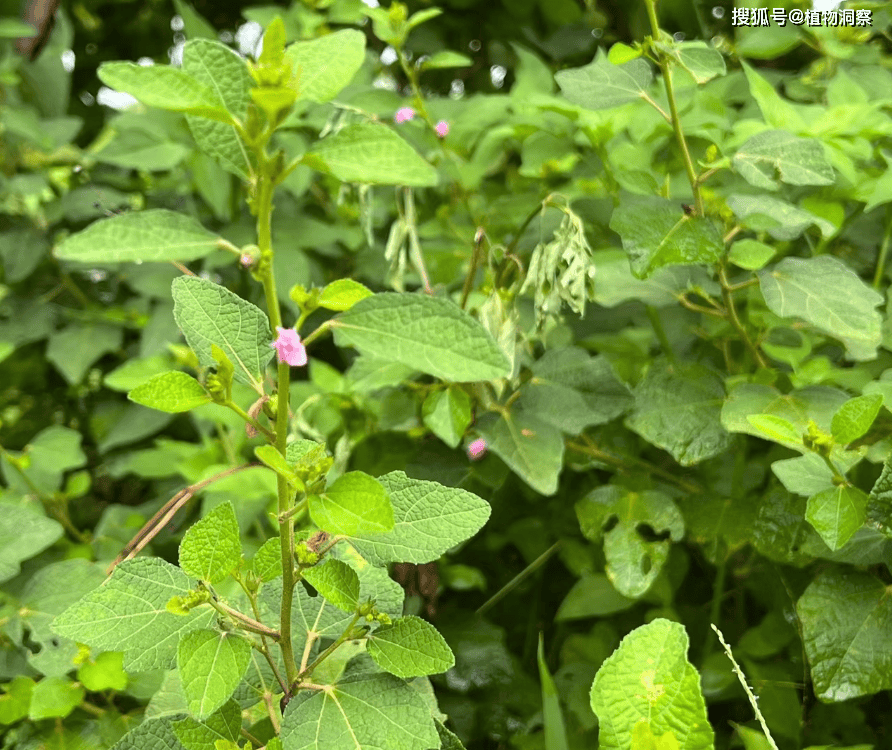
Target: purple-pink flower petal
(403,114)
(442,128)
(477,449)
(289,348)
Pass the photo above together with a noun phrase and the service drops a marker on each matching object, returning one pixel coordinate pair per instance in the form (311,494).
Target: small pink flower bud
(246,260)
(477,449)
(403,114)
(442,128)
(289,348)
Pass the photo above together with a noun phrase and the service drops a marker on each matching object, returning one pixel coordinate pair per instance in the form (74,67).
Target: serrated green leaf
(777,112)
(152,734)
(129,614)
(224,724)
(208,313)
(156,235)
(24,533)
(700,60)
(447,414)
(602,85)
(211,665)
(267,561)
(220,69)
(828,295)
(164,87)
(370,153)
(428,519)
(337,582)
(797,161)
(837,513)
(211,549)
(855,417)
(617,515)
(879,507)
(846,621)
(105,672)
(782,220)
(533,449)
(656,232)
(54,697)
(325,65)
(271,457)
(16,699)
(429,334)
(355,504)
(649,679)
(356,713)
(171,392)
(678,408)
(776,428)
(410,647)
(342,294)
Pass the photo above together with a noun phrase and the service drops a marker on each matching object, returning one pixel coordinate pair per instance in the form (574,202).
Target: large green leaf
(410,647)
(798,161)
(354,504)
(172,392)
(325,65)
(618,515)
(649,680)
(24,533)
(837,513)
(166,88)
(572,390)
(224,72)
(879,506)
(678,408)
(846,621)
(356,713)
(209,314)
(428,519)
(782,220)
(211,549)
(129,614)
(429,334)
(602,85)
(337,582)
(533,448)
(370,152)
(656,232)
(151,734)
(73,349)
(156,235)
(224,724)
(830,296)
(211,665)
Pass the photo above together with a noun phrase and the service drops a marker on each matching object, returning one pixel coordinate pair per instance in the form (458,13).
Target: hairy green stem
(673,108)
(243,621)
(251,421)
(735,320)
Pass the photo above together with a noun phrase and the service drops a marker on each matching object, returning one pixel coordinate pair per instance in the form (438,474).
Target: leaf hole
(610,524)
(649,534)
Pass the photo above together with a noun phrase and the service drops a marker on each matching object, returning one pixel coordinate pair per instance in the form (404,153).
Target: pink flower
(403,114)
(442,128)
(477,449)
(289,348)
(247,260)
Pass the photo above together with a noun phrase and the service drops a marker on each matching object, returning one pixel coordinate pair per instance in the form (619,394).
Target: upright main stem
(286,522)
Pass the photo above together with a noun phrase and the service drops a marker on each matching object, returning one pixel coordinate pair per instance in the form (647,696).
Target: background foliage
(696,429)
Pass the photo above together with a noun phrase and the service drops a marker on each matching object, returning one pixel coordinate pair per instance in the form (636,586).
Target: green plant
(641,333)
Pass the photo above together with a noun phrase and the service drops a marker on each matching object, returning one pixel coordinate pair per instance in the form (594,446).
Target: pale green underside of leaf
(325,65)
(157,235)
(211,665)
(429,518)
(224,72)
(129,614)
(357,713)
(678,408)
(370,152)
(602,85)
(846,621)
(208,313)
(428,334)
(411,647)
(164,87)
(649,678)
(830,296)
(171,392)
(355,504)
(797,161)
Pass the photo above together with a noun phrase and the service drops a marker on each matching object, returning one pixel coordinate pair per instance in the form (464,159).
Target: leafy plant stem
(884,251)
(735,320)
(251,421)
(472,267)
(673,108)
(243,621)
(660,332)
(746,688)
(342,638)
(519,578)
